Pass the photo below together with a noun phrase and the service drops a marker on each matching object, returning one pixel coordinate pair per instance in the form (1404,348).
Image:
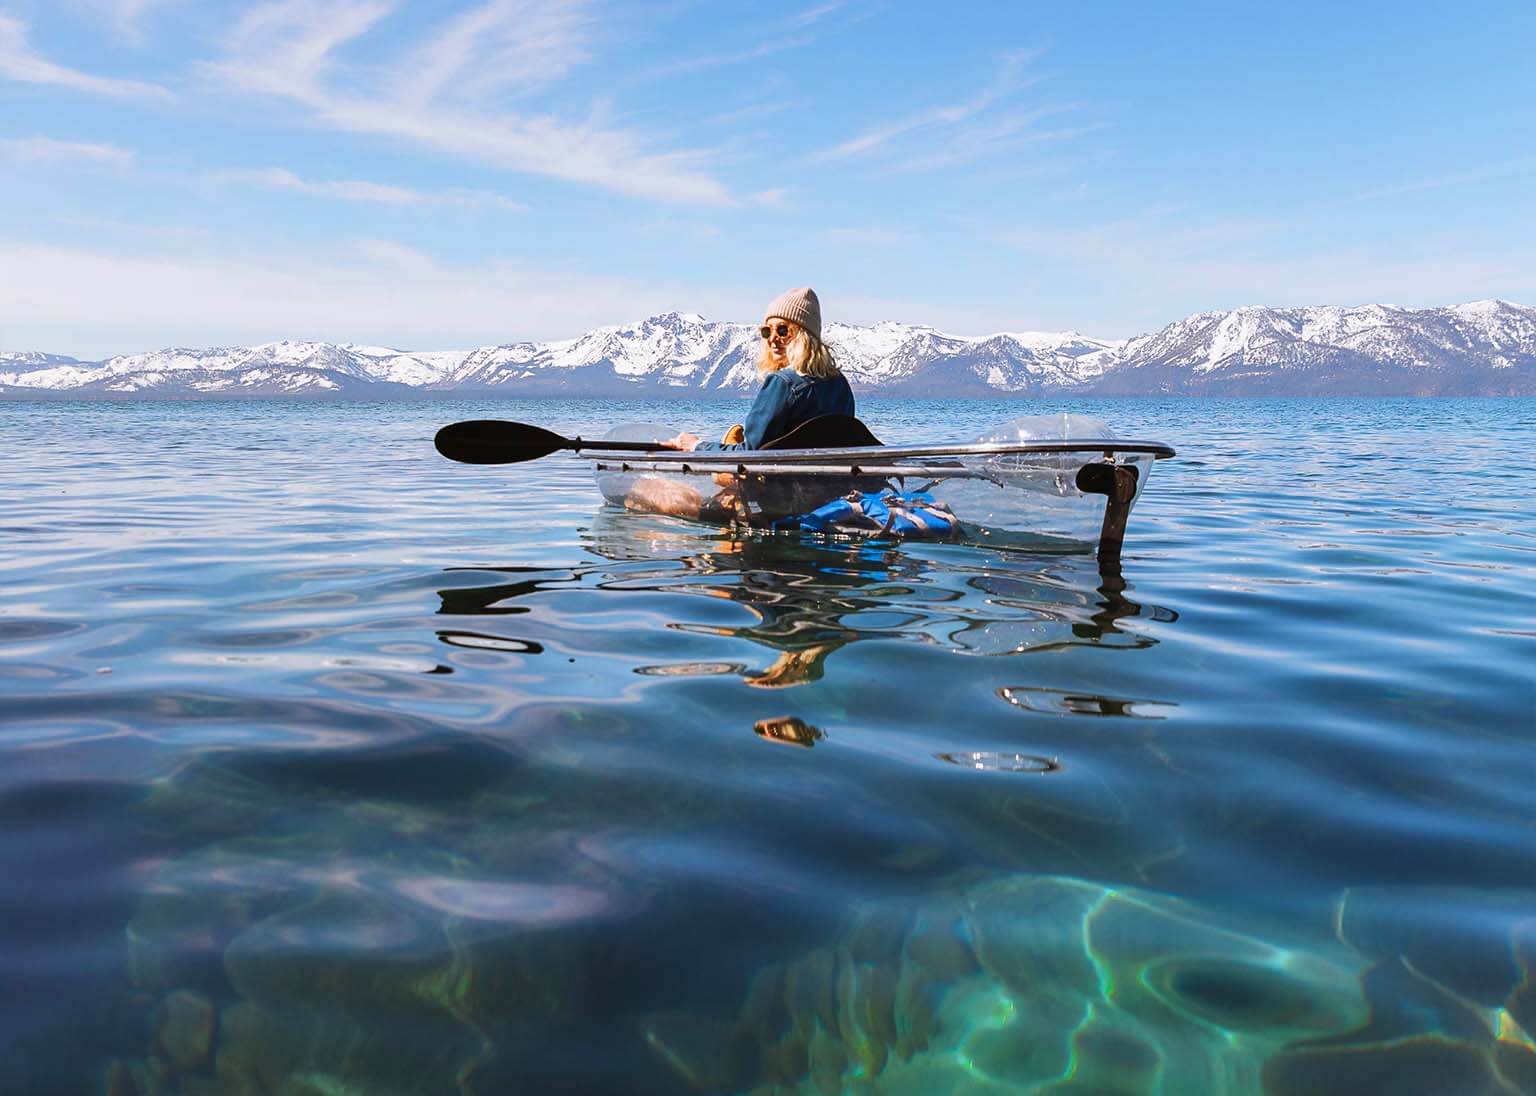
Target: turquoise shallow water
(332,767)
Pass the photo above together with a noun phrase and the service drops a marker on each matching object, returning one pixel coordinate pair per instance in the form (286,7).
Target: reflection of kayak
(1059,480)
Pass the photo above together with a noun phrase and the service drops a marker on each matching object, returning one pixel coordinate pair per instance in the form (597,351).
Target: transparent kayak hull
(1021,485)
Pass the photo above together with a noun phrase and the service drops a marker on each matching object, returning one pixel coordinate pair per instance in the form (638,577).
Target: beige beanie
(799,306)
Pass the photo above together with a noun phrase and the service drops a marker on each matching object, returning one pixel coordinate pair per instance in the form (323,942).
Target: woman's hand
(684,441)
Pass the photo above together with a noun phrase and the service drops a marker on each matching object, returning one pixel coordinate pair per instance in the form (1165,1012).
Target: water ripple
(380,767)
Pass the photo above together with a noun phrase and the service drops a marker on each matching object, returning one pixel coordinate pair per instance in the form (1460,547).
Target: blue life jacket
(912,514)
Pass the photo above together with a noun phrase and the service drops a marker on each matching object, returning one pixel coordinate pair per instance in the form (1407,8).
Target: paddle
(494,441)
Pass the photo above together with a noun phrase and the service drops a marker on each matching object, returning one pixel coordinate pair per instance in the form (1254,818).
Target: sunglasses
(768,331)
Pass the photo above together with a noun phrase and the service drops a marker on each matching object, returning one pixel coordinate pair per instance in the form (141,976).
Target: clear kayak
(1060,481)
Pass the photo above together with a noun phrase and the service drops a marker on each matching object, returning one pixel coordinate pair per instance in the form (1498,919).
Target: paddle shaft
(576,445)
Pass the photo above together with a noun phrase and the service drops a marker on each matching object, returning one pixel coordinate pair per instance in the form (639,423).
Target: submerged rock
(1425,1063)
(1450,991)
(185,1033)
(119,1080)
(1048,984)
(326,944)
(1030,983)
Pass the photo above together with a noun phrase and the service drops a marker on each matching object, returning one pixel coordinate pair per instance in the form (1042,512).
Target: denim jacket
(786,400)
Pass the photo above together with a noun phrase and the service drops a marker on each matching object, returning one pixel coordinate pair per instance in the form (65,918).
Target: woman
(801,379)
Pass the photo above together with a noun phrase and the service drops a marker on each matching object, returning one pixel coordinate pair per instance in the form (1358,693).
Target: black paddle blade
(492,441)
(826,432)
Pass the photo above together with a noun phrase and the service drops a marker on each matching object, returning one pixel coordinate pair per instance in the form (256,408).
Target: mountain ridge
(1479,348)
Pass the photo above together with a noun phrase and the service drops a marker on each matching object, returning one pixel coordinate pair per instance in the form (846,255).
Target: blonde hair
(805,354)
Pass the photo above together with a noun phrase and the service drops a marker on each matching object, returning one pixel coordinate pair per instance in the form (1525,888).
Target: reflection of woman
(801,379)
(789,729)
(800,601)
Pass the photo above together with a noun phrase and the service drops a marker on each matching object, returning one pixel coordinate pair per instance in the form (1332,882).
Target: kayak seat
(826,432)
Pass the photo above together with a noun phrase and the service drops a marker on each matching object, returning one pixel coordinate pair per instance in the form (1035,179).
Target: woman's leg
(664,495)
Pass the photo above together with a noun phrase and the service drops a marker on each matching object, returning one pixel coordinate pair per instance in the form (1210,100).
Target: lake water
(328,766)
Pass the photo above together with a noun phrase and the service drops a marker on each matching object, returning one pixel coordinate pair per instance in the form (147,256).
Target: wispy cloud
(1147,240)
(289,48)
(725,60)
(748,113)
(138,236)
(506,45)
(1525,165)
(284,47)
(1004,136)
(377,291)
(19,62)
(355,190)
(870,237)
(811,15)
(1168,265)
(1009,80)
(47,148)
(123,17)
(784,33)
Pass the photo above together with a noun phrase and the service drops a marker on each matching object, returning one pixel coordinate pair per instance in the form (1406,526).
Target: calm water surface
(332,767)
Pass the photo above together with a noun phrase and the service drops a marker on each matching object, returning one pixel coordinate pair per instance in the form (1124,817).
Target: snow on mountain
(381,363)
(32,359)
(269,369)
(58,373)
(900,357)
(682,351)
(1372,349)
(45,370)
(673,350)
(1484,347)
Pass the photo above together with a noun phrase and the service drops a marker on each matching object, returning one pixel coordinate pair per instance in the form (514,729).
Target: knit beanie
(799,306)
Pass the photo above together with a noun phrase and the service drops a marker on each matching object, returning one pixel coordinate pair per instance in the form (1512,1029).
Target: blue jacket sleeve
(768,419)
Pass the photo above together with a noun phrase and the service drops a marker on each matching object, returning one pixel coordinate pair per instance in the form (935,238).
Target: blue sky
(438,175)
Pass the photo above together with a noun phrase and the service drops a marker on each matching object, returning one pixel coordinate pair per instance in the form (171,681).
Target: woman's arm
(768,419)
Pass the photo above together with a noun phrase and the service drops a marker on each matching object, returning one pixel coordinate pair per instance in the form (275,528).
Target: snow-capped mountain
(670,351)
(272,369)
(684,351)
(1487,347)
(33,360)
